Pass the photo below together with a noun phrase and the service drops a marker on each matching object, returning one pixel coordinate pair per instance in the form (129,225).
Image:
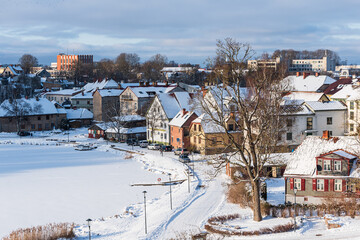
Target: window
(47,117)
(297,183)
(337,165)
(199,128)
(289,136)
(338,185)
(214,140)
(165,136)
(231,127)
(195,127)
(88,102)
(39,118)
(32,126)
(39,126)
(329,121)
(199,140)
(320,184)
(289,122)
(77,102)
(351,127)
(309,123)
(327,165)
(352,115)
(352,105)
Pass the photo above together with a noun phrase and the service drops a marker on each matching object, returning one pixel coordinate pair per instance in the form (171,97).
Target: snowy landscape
(44,180)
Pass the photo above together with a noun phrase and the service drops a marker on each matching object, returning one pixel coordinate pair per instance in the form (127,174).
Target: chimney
(204,91)
(298,74)
(316,74)
(155,84)
(326,135)
(146,84)
(26,97)
(141,84)
(183,111)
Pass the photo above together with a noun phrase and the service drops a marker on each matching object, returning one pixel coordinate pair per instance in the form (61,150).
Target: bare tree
(28,61)
(20,109)
(127,65)
(117,118)
(257,109)
(152,67)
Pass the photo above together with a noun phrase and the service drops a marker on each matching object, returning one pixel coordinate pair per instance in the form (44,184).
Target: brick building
(67,62)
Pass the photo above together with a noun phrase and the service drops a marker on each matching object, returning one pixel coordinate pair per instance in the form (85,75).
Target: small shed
(97,130)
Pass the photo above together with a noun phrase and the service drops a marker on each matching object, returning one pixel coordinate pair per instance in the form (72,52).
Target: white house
(164,107)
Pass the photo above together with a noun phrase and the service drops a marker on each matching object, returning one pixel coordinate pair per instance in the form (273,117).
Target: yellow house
(209,138)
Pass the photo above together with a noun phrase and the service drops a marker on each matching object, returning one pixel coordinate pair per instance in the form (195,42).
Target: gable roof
(109,92)
(105,84)
(308,84)
(306,96)
(180,119)
(337,86)
(325,106)
(303,160)
(344,93)
(340,153)
(208,125)
(41,106)
(81,113)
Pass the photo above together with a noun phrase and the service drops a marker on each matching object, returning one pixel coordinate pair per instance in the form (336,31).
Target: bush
(50,231)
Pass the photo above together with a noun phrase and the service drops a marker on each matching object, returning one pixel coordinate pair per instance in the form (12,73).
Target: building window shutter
(314,184)
(326,185)
(344,185)
(331,185)
(291,183)
(303,184)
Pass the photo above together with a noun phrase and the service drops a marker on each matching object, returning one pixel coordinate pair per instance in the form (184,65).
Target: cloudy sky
(183,30)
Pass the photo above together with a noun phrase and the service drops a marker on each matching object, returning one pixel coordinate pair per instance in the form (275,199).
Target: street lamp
(170,191)
(295,191)
(88,221)
(144,192)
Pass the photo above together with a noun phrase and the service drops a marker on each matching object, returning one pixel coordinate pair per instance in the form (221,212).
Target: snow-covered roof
(306,96)
(344,154)
(130,118)
(169,104)
(150,91)
(303,160)
(126,130)
(110,92)
(208,125)
(325,106)
(344,93)
(66,92)
(183,99)
(81,113)
(308,84)
(83,95)
(180,118)
(105,84)
(41,106)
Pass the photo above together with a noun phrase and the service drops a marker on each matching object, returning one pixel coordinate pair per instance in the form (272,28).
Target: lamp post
(89,221)
(144,192)
(188,173)
(295,191)
(170,191)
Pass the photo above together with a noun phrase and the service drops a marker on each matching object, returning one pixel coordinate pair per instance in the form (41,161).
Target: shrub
(50,231)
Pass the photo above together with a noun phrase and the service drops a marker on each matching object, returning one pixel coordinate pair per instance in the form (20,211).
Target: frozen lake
(45,184)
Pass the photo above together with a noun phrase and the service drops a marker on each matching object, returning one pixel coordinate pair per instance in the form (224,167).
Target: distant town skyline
(184,31)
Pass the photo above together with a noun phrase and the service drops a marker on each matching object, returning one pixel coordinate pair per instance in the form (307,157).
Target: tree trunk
(256,200)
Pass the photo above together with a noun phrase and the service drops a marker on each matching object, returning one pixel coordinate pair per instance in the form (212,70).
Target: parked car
(184,158)
(166,148)
(181,151)
(23,133)
(154,146)
(143,143)
(132,142)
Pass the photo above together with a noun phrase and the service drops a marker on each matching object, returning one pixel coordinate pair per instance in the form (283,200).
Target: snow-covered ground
(44,181)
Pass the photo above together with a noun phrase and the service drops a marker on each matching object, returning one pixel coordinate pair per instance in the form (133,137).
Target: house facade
(207,138)
(162,110)
(320,171)
(106,104)
(35,114)
(180,129)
